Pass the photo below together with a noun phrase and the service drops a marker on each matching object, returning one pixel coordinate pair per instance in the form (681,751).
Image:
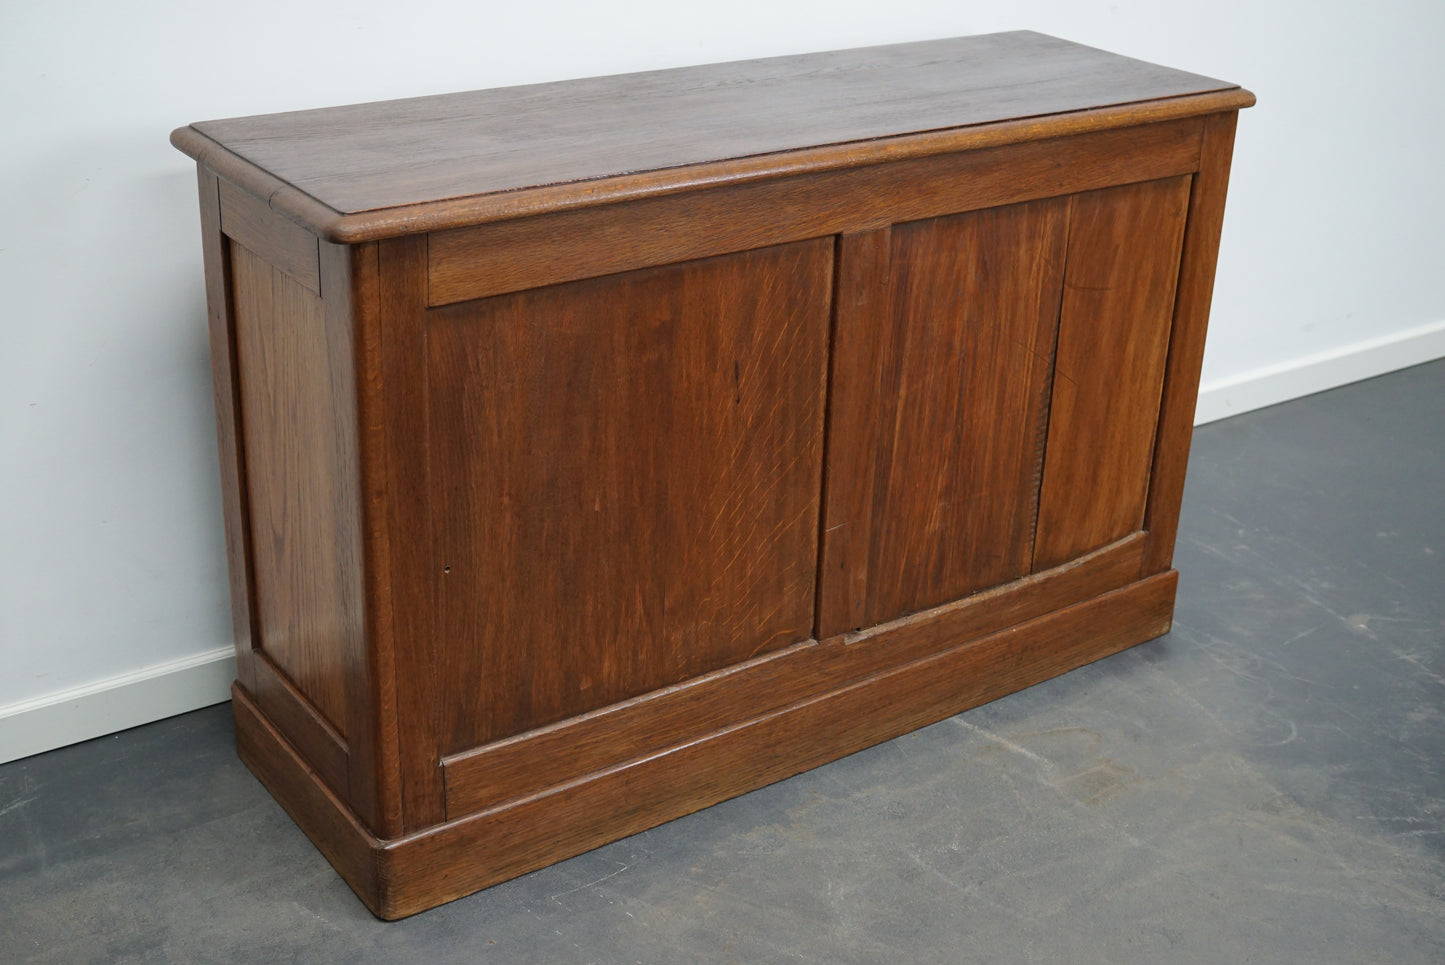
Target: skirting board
(166,689)
(116,703)
(1331,369)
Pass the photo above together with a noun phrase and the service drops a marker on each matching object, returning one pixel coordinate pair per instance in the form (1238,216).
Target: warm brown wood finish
(509,256)
(297,717)
(369,171)
(537,830)
(397,333)
(348,286)
(632,463)
(963,349)
(1186,344)
(407,875)
(596,451)
(488,142)
(350,847)
(376,409)
(284,244)
(638,728)
(230,446)
(1113,340)
(300,499)
(862,361)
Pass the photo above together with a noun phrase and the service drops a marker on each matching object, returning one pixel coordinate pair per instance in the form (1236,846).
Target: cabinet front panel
(955,406)
(1113,342)
(626,481)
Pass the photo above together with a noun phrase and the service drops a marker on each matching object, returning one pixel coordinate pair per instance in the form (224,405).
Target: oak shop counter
(596,451)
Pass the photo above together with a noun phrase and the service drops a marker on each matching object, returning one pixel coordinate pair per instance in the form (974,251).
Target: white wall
(111,561)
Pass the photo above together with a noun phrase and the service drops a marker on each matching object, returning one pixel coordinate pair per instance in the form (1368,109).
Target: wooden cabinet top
(370,171)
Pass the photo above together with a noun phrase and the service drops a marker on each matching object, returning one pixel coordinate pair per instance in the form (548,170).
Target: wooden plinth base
(403,876)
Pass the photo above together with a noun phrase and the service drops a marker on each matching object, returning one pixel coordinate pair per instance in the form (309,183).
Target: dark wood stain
(975,305)
(491,141)
(552,755)
(626,482)
(398,469)
(593,452)
(404,876)
(493,259)
(230,442)
(1186,340)
(1113,340)
(286,245)
(296,493)
(529,148)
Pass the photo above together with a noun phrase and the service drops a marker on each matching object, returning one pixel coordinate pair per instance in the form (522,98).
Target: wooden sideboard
(596,451)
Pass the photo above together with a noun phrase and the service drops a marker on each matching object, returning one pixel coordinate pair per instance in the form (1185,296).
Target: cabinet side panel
(1123,262)
(958,408)
(626,474)
(300,482)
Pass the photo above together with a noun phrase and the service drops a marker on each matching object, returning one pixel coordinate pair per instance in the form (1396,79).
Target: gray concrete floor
(1264,784)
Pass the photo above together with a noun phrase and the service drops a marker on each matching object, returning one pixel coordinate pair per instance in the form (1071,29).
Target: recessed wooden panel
(303,508)
(1113,339)
(952,400)
(626,477)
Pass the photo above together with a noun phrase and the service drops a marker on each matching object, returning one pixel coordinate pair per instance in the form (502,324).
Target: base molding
(1297,378)
(116,703)
(400,877)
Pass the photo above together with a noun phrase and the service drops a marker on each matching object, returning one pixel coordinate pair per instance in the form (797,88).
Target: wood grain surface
(1186,343)
(317,741)
(862,367)
(625,482)
(595,451)
(424,149)
(316,808)
(302,502)
(1123,263)
(284,244)
(493,259)
(961,357)
(976,299)
(524,149)
(402,876)
(230,441)
(500,843)
(403,504)
(348,280)
(638,728)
